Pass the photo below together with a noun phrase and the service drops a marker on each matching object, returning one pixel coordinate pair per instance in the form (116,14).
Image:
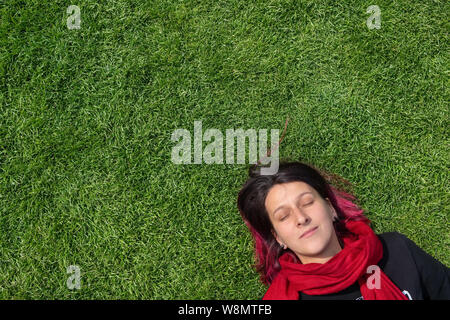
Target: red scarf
(360,251)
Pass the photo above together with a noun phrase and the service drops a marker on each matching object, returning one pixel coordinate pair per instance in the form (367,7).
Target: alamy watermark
(374,21)
(214,150)
(373,282)
(74,20)
(74,281)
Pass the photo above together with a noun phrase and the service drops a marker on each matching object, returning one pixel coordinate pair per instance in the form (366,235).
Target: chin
(315,247)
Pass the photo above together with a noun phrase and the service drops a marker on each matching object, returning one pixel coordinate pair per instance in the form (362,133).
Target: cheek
(286,232)
(324,217)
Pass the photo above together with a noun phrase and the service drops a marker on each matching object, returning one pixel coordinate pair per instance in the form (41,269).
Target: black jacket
(416,273)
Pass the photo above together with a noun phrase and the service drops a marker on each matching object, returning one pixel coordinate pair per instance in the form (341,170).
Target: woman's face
(295,208)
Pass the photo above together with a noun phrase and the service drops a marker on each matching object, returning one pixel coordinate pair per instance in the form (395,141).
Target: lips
(308,233)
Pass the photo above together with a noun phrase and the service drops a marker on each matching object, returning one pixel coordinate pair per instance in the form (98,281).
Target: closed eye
(307,204)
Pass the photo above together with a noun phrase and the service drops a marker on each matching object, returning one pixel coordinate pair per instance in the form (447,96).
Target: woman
(313,242)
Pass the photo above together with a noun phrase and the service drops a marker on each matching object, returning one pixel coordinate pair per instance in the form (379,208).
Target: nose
(302,218)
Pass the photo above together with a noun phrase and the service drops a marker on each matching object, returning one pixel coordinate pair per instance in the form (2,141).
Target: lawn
(86,118)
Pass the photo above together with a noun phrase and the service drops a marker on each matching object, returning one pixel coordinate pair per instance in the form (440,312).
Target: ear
(276,237)
(333,210)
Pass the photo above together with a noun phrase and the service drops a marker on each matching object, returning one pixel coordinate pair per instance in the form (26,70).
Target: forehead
(281,193)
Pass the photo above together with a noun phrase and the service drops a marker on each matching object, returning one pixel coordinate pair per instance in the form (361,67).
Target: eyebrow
(298,197)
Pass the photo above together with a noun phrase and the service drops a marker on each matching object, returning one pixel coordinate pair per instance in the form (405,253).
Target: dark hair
(251,204)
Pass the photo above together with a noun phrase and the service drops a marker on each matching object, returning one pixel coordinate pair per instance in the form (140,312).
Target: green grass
(86,116)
